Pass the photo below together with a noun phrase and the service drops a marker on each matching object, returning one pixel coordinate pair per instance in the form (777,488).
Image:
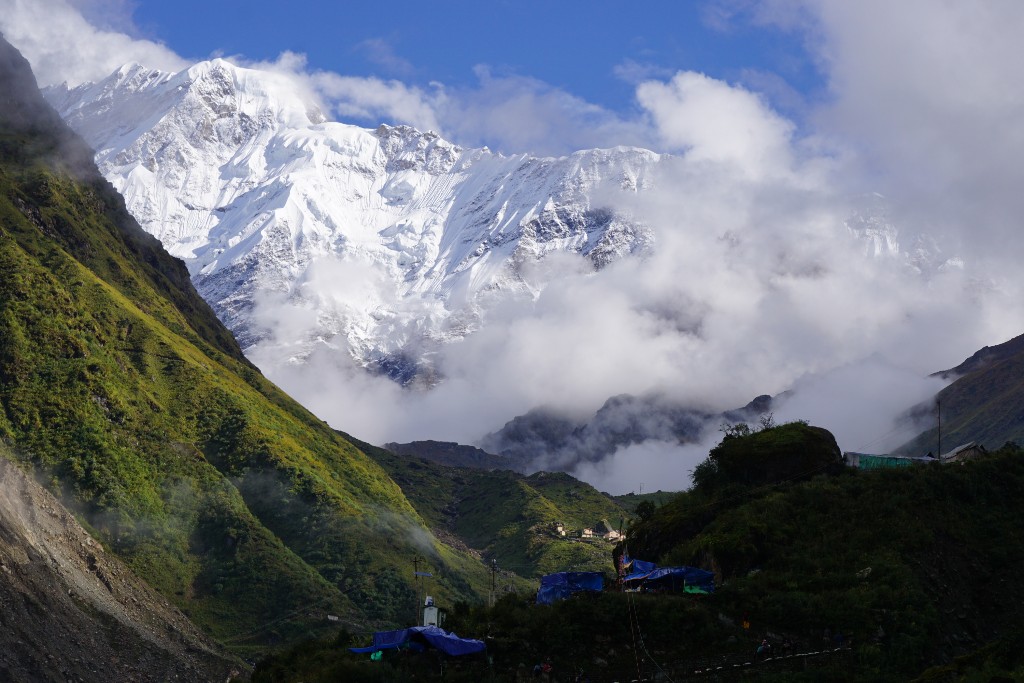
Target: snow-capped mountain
(871,223)
(394,239)
(380,243)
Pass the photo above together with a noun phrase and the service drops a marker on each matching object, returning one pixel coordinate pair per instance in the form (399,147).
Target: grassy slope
(508,516)
(983,405)
(120,386)
(918,566)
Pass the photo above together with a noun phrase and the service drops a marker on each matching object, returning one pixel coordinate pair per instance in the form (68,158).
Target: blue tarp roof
(419,637)
(650,575)
(555,587)
(681,577)
(637,568)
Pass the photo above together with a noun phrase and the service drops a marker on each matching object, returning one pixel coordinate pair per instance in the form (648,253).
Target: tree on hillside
(645,509)
(789,452)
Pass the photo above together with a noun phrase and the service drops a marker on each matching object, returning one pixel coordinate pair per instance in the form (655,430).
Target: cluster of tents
(637,575)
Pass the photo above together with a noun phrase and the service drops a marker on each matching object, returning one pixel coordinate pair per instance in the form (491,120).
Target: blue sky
(592,49)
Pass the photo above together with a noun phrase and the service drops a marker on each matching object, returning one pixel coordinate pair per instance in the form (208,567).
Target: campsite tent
(648,576)
(555,587)
(638,569)
(420,638)
(689,579)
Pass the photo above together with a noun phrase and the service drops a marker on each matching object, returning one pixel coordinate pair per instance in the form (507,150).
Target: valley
(293,391)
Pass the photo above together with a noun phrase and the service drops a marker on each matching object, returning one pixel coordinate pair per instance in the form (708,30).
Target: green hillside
(920,563)
(982,405)
(917,568)
(508,516)
(119,386)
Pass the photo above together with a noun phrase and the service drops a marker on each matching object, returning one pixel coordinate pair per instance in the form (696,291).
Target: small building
(872,461)
(967,451)
(605,531)
(587,533)
(432,616)
(559,528)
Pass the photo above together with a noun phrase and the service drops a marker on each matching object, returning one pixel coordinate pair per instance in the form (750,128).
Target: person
(764,649)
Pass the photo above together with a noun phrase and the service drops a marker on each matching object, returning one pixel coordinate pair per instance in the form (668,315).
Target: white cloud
(634,72)
(648,466)
(61,45)
(374,99)
(860,402)
(516,114)
(710,120)
(926,95)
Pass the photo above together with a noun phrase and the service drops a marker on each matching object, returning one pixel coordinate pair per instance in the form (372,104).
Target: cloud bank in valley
(755,285)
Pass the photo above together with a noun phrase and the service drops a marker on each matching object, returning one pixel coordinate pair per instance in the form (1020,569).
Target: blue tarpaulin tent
(637,569)
(421,637)
(680,578)
(649,576)
(555,587)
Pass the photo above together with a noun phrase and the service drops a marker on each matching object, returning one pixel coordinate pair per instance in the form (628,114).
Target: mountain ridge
(981,404)
(125,394)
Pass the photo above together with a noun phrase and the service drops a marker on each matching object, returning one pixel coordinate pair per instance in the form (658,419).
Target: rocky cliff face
(71,611)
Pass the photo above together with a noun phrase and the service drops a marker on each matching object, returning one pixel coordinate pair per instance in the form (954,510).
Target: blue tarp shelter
(680,578)
(637,569)
(648,576)
(555,587)
(420,638)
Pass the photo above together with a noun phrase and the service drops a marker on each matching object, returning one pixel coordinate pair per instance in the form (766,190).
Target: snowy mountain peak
(872,224)
(238,173)
(408,149)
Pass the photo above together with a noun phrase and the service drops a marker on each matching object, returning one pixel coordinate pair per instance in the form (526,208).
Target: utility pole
(619,573)
(416,583)
(938,411)
(494,580)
